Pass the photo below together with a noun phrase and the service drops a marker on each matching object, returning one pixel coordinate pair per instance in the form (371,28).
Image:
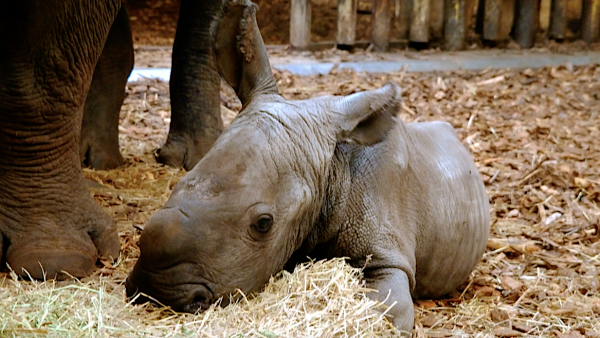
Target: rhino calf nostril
(198,304)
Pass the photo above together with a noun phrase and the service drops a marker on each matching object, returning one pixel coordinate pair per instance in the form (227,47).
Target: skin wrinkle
(291,135)
(46,143)
(354,185)
(336,193)
(311,148)
(305,136)
(278,169)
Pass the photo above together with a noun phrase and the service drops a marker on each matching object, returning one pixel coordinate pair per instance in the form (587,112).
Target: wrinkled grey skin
(194,87)
(99,140)
(50,226)
(337,176)
(63,69)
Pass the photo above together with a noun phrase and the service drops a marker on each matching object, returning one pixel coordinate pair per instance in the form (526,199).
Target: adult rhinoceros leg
(99,144)
(49,221)
(195,83)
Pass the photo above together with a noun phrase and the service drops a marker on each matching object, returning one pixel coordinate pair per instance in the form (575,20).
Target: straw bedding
(536,141)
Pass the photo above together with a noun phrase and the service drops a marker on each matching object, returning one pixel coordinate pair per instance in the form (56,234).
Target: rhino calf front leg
(394,285)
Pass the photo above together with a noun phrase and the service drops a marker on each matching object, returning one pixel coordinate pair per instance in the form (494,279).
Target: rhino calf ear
(367,117)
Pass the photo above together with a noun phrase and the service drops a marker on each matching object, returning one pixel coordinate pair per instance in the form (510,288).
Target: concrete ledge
(469,60)
(153,73)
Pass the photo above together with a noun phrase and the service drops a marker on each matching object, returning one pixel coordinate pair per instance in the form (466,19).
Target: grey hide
(325,177)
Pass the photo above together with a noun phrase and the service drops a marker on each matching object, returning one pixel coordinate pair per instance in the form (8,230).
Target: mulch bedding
(535,138)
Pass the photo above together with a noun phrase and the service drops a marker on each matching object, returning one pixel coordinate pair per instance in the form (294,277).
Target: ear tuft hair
(240,51)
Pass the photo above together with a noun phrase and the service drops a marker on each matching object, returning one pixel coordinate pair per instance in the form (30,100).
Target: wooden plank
(574,10)
(436,19)
(545,14)
(498,19)
(381,24)
(419,26)
(558,19)
(508,18)
(574,16)
(491,19)
(590,25)
(346,22)
(471,7)
(300,24)
(526,22)
(404,18)
(454,24)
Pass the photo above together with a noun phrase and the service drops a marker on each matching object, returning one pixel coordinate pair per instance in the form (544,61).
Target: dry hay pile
(322,299)
(536,140)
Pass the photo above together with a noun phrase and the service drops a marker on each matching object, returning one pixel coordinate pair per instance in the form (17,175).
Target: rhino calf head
(272,187)
(236,218)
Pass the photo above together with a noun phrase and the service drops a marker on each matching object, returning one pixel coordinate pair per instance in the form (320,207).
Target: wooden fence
(423,21)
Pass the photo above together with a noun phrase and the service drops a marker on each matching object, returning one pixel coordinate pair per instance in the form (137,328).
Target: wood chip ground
(535,137)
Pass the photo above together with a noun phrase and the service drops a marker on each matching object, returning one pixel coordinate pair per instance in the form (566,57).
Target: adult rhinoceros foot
(54,233)
(185,151)
(100,154)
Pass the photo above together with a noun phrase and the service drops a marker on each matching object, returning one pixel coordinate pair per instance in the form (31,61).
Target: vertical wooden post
(471,7)
(454,24)
(508,18)
(574,9)
(419,26)
(300,24)
(381,24)
(526,22)
(346,22)
(436,19)
(406,7)
(491,19)
(545,14)
(498,19)
(558,19)
(590,29)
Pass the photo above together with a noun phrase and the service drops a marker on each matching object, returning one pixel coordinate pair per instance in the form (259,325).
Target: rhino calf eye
(263,224)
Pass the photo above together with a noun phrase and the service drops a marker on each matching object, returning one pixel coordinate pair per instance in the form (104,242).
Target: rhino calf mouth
(191,298)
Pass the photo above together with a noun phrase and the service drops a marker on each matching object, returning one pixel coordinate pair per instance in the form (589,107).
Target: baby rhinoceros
(324,177)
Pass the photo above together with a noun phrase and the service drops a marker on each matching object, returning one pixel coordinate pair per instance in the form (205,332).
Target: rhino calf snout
(168,268)
(190,298)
